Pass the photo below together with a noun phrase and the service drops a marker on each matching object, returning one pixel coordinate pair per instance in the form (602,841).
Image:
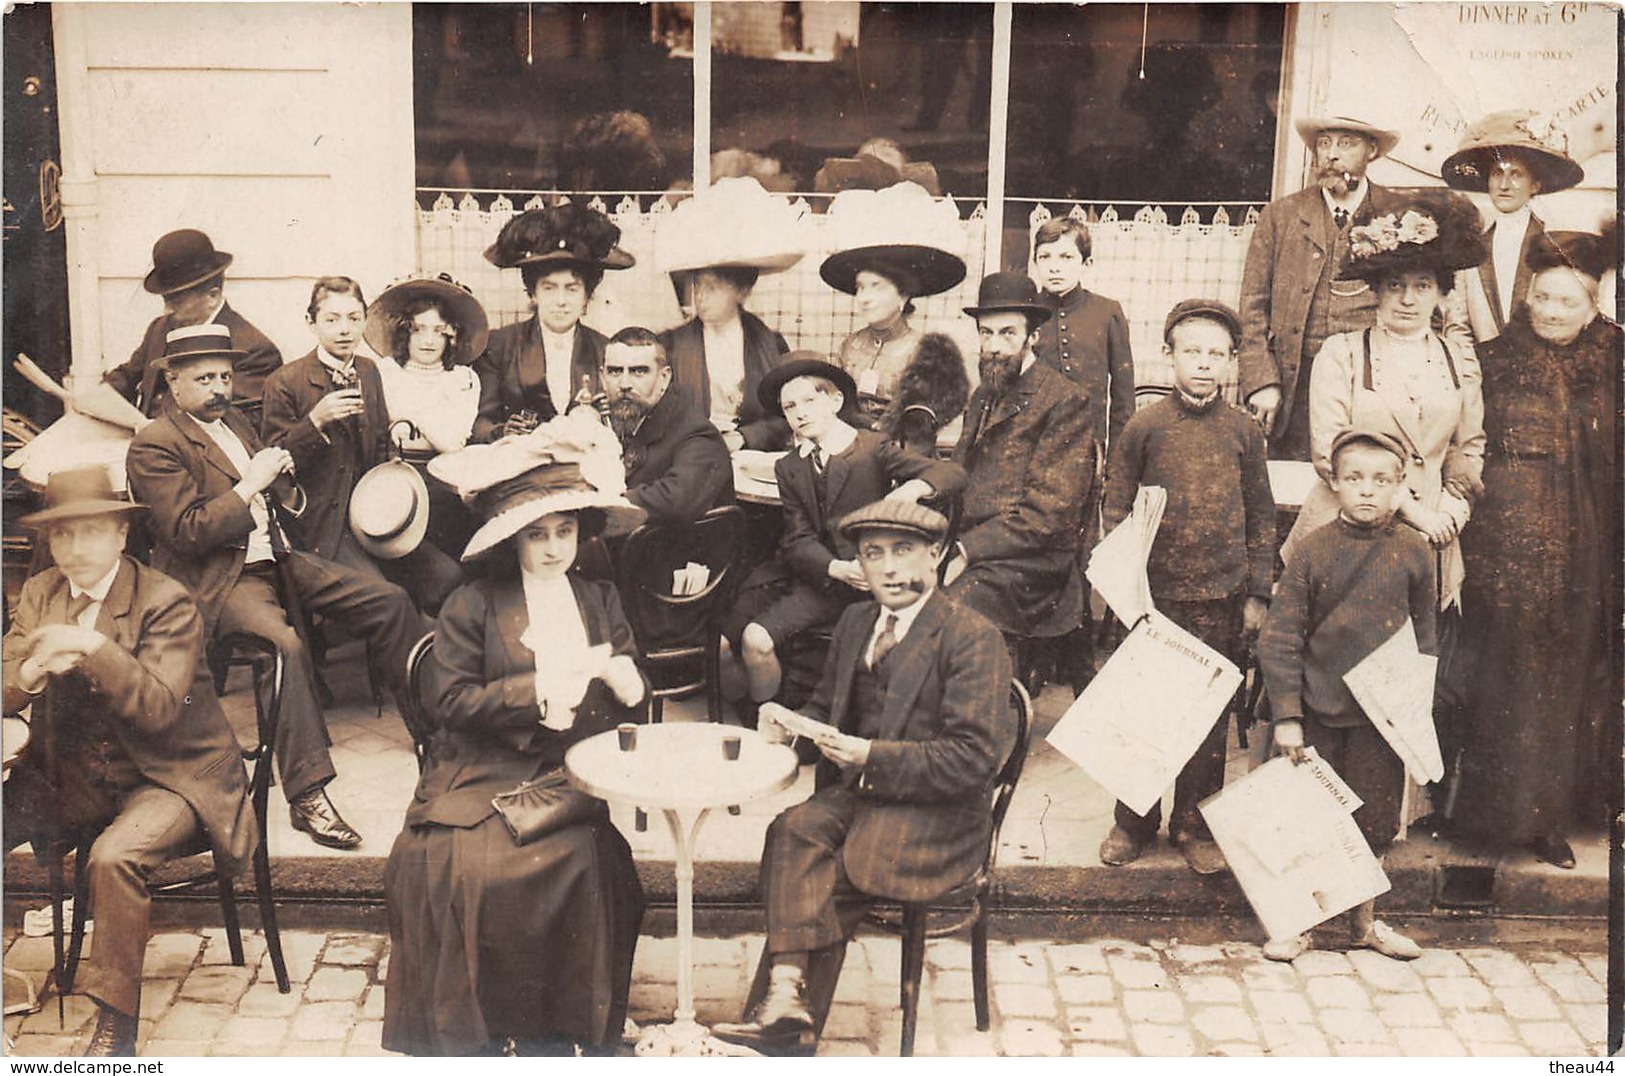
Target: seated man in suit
(915,691)
(190,276)
(104,651)
(216,495)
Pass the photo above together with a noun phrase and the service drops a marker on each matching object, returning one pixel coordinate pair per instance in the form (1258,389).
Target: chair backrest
(1004,785)
(415,711)
(655,550)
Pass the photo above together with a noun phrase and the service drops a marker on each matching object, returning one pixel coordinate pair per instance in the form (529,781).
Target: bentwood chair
(414,708)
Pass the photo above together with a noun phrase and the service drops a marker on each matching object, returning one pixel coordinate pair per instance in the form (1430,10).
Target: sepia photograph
(758,528)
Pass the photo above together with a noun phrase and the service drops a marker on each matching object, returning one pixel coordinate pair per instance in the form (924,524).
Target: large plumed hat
(1520,134)
(183,259)
(1584,252)
(900,232)
(1433,231)
(732,223)
(457,305)
(570,464)
(1310,128)
(569,236)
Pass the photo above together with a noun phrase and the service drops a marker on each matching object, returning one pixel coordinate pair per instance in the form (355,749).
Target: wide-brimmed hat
(905,516)
(803,364)
(1434,231)
(1001,293)
(1519,134)
(389,510)
(900,232)
(570,464)
(1310,127)
(182,259)
(732,223)
(77,492)
(569,236)
(1585,252)
(192,342)
(457,304)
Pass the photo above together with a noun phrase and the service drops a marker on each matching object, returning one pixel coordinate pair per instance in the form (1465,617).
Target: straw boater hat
(192,342)
(1010,293)
(183,259)
(457,304)
(389,510)
(1521,135)
(899,232)
(804,364)
(1434,231)
(570,464)
(567,236)
(733,223)
(78,492)
(1310,127)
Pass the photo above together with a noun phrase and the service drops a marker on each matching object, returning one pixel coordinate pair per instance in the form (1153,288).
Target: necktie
(77,607)
(885,642)
(818,461)
(1341,217)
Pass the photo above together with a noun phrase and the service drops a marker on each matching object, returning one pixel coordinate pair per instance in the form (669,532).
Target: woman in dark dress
(1542,557)
(492,940)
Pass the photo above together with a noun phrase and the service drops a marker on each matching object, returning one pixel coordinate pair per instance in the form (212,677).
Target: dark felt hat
(916,270)
(904,516)
(1009,293)
(569,236)
(1204,308)
(1521,135)
(79,492)
(192,342)
(1435,230)
(803,364)
(182,259)
(1584,252)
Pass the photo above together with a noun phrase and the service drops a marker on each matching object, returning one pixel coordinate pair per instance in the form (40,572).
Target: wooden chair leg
(228,916)
(657,710)
(912,971)
(978,964)
(268,924)
(81,914)
(713,679)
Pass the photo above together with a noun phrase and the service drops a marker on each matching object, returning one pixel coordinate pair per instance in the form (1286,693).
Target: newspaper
(1289,835)
(1117,564)
(1394,686)
(1146,712)
(799,724)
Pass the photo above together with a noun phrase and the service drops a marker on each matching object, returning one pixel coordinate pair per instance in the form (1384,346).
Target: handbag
(540,806)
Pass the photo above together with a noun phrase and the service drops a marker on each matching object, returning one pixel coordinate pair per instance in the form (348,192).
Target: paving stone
(1095,1049)
(354,950)
(77,1013)
(1591,1021)
(1572,984)
(300,949)
(318,1021)
(368,1033)
(1548,963)
(333,983)
(1132,949)
(727,952)
(192,1020)
(1353,1025)
(1209,989)
(654,1001)
(951,984)
(1153,1006)
(168,956)
(1030,1038)
(971,1044)
(1362,1049)
(372,1007)
(1318,962)
(656,960)
(157,995)
(1498,967)
(217,947)
(1095,1023)
(1068,959)
(952,1018)
(1225,1023)
(175,1047)
(1382,973)
(1408,1010)
(1497,1049)
(1150,1040)
(1338,992)
(1457,993)
(1597,965)
(1019,999)
(1295,1040)
(715,981)
(1184,953)
(884,954)
(1551,1037)
(1236,1049)
(1023,963)
(1281,1006)
(258,1030)
(948,954)
(1269,975)
(844,1048)
(240,1048)
(1527,1002)
(1085,989)
(1137,974)
(221,984)
(263,999)
(847,1021)
(1441,963)
(1243,951)
(1482,1027)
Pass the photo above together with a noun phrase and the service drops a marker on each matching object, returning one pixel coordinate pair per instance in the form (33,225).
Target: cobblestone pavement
(1100,997)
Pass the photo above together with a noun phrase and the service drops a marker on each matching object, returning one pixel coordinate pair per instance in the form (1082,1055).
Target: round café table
(680,770)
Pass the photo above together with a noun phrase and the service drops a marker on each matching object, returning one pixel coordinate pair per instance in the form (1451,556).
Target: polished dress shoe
(313,813)
(114,1035)
(780,1018)
(1554,850)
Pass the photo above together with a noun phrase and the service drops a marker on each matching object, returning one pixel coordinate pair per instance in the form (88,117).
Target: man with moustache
(1029,449)
(216,495)
(677,467)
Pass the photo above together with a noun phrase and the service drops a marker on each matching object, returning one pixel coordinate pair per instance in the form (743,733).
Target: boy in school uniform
(1349,586)
(833,470)
(1214,557)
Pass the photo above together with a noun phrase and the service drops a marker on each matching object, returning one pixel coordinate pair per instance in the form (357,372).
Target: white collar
(1333,204)
(839,440)
(535,584)
(734,329)
(567,336)
(1027,362)
(97,590)
(1513,223)
(331,361)
(905,616)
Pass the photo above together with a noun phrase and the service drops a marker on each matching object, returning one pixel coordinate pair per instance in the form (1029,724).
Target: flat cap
(1371,437)
(1203,308)
(895,516)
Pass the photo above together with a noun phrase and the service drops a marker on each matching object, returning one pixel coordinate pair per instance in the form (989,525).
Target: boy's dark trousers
(1218,624)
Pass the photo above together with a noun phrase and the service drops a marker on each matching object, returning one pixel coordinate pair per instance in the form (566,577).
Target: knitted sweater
(1345,592)
(1217,537)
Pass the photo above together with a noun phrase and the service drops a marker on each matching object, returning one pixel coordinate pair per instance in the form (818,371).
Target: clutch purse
(537,808)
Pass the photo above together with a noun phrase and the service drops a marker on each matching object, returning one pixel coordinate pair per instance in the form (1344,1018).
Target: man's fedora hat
(1009,293)
(1521,135)
(905,516)
(1311,128)
(78,492)
(457,305)
(183,259)
(570,236)
(803,364)
(192,342)
(389,510)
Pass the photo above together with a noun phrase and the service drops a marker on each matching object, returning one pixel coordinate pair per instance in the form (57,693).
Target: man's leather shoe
(312,812)
(114,1035)
(780,1017)
(1202,855)
(1120,847)
(1554,850)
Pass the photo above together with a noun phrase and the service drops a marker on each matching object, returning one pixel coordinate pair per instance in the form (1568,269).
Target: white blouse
(441,403)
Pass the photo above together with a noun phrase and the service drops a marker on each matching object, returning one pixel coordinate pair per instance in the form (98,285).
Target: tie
(77,607)
(885,642)
(1340,216)
(818,461)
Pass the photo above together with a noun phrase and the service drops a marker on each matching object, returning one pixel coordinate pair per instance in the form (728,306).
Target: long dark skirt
(491,940)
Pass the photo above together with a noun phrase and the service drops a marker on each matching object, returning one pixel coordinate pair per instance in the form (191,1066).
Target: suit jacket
(870,468)
(138,379)
(145,680)
(677,468)
(685,350)
(482,686)
(945,730)
(1087,340)
(200,526)
(329,466)
(513,375)
(1482,291)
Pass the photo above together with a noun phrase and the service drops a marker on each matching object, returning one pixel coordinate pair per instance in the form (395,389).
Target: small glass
(627,733)
(730,748)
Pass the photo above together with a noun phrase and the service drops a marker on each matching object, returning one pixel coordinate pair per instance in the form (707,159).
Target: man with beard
(1030,453)
(677,467)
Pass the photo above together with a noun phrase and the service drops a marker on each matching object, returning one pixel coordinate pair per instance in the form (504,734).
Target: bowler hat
(1205,308)
(192,342)
(1311,127)
(1518,134)
(803,364)
(905,516)
(1009,293)
(79,492)
(183,259)
(389,510)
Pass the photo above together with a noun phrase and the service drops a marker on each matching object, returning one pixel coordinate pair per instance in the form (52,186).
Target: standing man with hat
(190,275)
(217,497)
(105,652)
(915,694)
(1510,156)
(1030,453)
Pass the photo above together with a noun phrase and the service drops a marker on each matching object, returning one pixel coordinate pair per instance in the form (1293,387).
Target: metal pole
(998,126)
(702,94)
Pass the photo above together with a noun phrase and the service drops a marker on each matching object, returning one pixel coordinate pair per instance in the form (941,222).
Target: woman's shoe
(1554,850)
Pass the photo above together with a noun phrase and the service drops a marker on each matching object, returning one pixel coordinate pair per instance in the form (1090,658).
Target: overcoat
(139,379)
(513,375)
(677,467)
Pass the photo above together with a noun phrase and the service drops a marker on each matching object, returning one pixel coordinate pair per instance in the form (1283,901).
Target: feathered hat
(732,223)
(901,233)
(1522,135)
(571,236)
(1434,231)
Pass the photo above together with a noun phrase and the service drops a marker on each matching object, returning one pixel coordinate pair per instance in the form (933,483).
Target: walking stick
(54,856)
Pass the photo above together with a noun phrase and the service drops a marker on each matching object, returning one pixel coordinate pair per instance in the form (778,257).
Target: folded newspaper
(1117,564)
(1394,686)
(798,724)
